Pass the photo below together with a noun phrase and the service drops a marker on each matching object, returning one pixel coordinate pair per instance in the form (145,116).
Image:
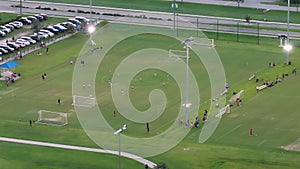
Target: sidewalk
(70,147)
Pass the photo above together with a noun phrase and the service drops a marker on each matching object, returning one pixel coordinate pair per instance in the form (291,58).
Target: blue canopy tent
(9,65)
(8,73)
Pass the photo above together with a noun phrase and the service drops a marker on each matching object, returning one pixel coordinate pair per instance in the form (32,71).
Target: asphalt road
(157,18)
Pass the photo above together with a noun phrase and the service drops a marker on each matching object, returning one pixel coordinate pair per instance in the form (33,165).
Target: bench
(261,87)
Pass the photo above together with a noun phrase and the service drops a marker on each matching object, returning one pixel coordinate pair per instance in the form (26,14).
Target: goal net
(177,54)
(84,101)
(52,118)
(223,111)
(205,42)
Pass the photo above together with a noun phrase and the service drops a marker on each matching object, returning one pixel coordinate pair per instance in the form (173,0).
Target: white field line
(63,146)
(9,91)
(262,142)
(230,131)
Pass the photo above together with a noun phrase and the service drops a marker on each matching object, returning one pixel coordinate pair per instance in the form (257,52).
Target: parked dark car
(45,16)
(25,21)
(51,29)
(35,37)
(3,51)
(68,24)
(38,17)
(13,45)
(60,28)
(74,21)
(10,49)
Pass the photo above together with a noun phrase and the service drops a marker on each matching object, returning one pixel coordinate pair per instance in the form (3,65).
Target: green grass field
(272,113)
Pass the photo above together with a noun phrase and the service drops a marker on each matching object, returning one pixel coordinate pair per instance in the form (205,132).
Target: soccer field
(272,113)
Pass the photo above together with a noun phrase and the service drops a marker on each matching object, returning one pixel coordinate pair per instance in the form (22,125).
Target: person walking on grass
(30,123)
(47,50)
(115,114)
(294,71)
(58,101)
(251,132)
(148,127)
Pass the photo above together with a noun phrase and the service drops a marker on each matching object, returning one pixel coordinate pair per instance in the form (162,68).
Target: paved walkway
(63,146)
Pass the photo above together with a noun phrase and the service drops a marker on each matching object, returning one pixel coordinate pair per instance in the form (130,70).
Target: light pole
(187,46)
(91,27)
(174,7)
(119,141)
(21,7)
(287,46)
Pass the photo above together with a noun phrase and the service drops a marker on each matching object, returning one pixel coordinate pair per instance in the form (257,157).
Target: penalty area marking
(63,146)
(9,91)
(230,131)
(262,142)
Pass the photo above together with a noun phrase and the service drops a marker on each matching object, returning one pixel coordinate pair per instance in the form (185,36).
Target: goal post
(84,101)
(205,42)
(177,54)
(52,118)
(223,111)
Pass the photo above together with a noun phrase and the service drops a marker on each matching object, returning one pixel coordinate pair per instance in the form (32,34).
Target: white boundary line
(63,146)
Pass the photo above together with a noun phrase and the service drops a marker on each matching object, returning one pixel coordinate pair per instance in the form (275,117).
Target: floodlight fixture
(91,28)
(287,47)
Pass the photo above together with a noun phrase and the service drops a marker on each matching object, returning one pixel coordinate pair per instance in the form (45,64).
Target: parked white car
(2,33)
(16,24)
(43,35)
(22,44)
(82,19)
(5,29)
(28,39)
(11,27)
(47,32)
(24,41)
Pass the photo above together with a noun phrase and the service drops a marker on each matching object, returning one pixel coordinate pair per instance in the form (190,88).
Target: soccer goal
(52,118)
(205,42)
(223,111)
(177,54)
(84,101)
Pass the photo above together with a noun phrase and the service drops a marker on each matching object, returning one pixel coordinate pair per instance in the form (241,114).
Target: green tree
(37,25)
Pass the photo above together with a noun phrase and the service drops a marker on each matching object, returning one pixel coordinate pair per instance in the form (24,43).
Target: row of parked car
(17,24)
(44,33)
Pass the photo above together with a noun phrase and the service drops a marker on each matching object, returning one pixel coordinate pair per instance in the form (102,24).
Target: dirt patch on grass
(295,146)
